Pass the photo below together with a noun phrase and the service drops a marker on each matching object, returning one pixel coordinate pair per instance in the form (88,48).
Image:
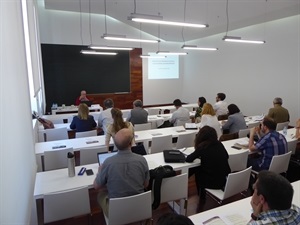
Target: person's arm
(73,123)
(94,124)
(194,155)
(253,131)
(297,134)
(97,185)
(173,118)
(108,135)
(129,116)
(227,124)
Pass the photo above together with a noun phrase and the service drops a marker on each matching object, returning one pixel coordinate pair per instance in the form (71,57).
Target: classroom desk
(172,108)
(73,108)
(239,209)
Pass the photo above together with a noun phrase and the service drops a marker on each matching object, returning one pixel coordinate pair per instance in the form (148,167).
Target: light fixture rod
(110,48)
(124,38)
(91,52)
(240,40)
(171,53)
(194,47)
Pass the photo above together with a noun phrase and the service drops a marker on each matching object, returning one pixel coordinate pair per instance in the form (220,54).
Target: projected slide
(163,68)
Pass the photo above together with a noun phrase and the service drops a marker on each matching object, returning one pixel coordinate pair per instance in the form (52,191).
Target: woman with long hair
(236,120)
(118,124)
(201,102)
(214,166)
(83,121)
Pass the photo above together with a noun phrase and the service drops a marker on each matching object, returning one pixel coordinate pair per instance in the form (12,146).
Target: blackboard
(67,72)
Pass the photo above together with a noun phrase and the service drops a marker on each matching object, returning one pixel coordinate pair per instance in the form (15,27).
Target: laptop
(102,156)
(88,103)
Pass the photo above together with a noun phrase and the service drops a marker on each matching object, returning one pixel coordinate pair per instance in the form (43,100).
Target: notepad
(156,134)
(92,141)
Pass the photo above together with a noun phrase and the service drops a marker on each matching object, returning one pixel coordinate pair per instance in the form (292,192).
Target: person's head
(123,139)
(201,101)
(117,116)
(208,109)
(273,191)
(205,135)
(268,124)
(220,97)
(108,103)
(83,93)
(232,109)
(138,103)
(174,219)
(83,111)
(277,101)
(177,103)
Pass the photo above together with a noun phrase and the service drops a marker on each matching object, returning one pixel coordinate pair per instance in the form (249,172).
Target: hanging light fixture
(91,52)
(152,56)
(110,48)
(194,47)
(170,53)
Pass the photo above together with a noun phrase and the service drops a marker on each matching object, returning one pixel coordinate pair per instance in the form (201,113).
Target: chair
(67,204)
(280,163)
(280,126)
(255,124)
(70,118)
(223,117)
(142,126)
(185,140)
(57,121)
(174,188)
(129,209)
(238,162)
(235,184)
(89,155)
(154,111)
(226,137)
(56,159)
(56,134)
(90,133)
(160,143)
(292,146)
(244,132)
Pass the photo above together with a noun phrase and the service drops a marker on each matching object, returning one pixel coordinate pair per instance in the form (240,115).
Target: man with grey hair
(138,115)
(105,117)
(278,113)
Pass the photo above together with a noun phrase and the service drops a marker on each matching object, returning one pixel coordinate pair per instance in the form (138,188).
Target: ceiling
(241,13)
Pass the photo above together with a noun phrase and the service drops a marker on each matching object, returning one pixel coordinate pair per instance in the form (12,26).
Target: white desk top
(73,108)
(241,208)
(58,180)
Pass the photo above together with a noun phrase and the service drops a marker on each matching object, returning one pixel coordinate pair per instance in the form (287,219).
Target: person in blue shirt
(83,122)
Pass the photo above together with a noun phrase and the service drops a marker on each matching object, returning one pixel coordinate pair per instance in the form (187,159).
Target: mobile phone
(89,172)
(238,148)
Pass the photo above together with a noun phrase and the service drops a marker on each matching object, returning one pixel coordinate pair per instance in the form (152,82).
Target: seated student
(105,117)
(82,97)
(272,201)
(180,114)
(220,106)
(201,101)
(214,166)
(137,115)
(83,122)
(278,113)
(174,219)
(236,120)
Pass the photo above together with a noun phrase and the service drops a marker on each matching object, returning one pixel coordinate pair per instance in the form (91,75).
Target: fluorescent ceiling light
(91,52)
(171,53)
(142,18)
(239,39)
(124,38)
(110,48)
(194,47)
(153,56)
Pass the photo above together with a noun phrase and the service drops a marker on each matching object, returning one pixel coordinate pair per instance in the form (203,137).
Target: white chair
(95,115)
(67,204)
(70,118)
(292,145)
(160,143)
(89,155)
(56,134)
(154,111)
(244,132)
(255,124)
(235,184)
(185,140)
(280,163)
(57,121)
(129,209)
(280,126)
(175,188)
(57,159)
(142,126)
(90,133)
(238,162)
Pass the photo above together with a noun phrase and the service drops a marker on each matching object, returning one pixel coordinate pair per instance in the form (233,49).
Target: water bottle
(71,164)
(284,131)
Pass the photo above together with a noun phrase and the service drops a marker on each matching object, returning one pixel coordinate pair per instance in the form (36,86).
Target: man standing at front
(272,143)
(279,114)
(123,174)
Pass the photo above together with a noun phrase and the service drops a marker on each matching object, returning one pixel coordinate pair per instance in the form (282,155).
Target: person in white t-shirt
(105,117)
(220,106)
(180,115)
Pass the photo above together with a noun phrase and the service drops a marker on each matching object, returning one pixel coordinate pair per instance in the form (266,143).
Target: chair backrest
(153,111)
(244,132)
(174,188)
(160,143)
(238,162)
(237,182)
(70,118)
(57,159)
(57,121)
(56,134)
(142,126)
(280,163)
(255,124)
(182,122)
(89,155)
(185,140)
(280,126)
(292,145)
(89,133)
(95,115)
(223,117)
(226,137)
(130,209)
(67,204)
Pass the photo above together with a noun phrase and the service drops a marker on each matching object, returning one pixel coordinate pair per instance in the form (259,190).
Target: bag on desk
(174,156)
(47,124)
(156,176)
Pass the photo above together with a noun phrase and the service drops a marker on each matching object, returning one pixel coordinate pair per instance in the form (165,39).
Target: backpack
(156,175)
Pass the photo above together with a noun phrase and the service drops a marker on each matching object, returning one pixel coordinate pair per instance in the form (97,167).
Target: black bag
(157,175)
(174,156)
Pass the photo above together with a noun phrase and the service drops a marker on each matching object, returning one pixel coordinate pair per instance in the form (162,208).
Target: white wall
(17,157)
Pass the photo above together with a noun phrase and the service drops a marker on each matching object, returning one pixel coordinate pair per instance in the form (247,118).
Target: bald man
(82,97)
(123,174)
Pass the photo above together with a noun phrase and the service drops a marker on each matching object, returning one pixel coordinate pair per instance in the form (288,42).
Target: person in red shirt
(82,97)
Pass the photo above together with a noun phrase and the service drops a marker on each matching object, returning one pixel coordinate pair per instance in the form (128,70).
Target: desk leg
(39,163)
(179,208)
